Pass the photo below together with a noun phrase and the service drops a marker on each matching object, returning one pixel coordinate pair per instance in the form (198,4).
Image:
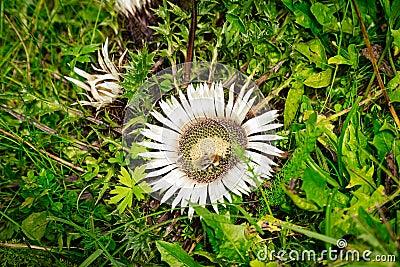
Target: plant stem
(190,49)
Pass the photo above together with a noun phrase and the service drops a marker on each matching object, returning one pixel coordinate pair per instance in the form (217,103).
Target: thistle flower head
(202,148)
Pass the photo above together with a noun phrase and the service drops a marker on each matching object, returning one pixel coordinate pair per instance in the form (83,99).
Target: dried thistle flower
(102,89)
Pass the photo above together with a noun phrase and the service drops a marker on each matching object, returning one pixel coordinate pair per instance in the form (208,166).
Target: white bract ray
(101,89)
(195,155)
(131,7)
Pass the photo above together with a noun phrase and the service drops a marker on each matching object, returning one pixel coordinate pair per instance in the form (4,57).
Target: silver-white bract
(196,113)
(103,88)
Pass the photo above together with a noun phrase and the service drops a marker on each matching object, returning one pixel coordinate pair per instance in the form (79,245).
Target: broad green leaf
(83,59)
(322,174)
(325,17)
(237,22)
(396,37)
(174,255)
(353,55)
(303,15)
(383,142)
(315,187)
(328,138)
(343,139)
(368,10)
(394,96)
(292,102)
(393,83)
(88,49)
(342,220)
(165,85)
(301,202)
(341,223)
(73,153)
(354,157)
(210,256)
(361,177)
(229,240)
(339,60)
(367,200)
(319,80)
(386,8)
(391,12)
(295,166)
(315,52)
(71,237)
(257,263)
(34,226)
(93,170)
(27,203)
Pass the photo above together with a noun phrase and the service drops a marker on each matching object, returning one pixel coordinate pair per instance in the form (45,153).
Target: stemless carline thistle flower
(103,88)
(208,148)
